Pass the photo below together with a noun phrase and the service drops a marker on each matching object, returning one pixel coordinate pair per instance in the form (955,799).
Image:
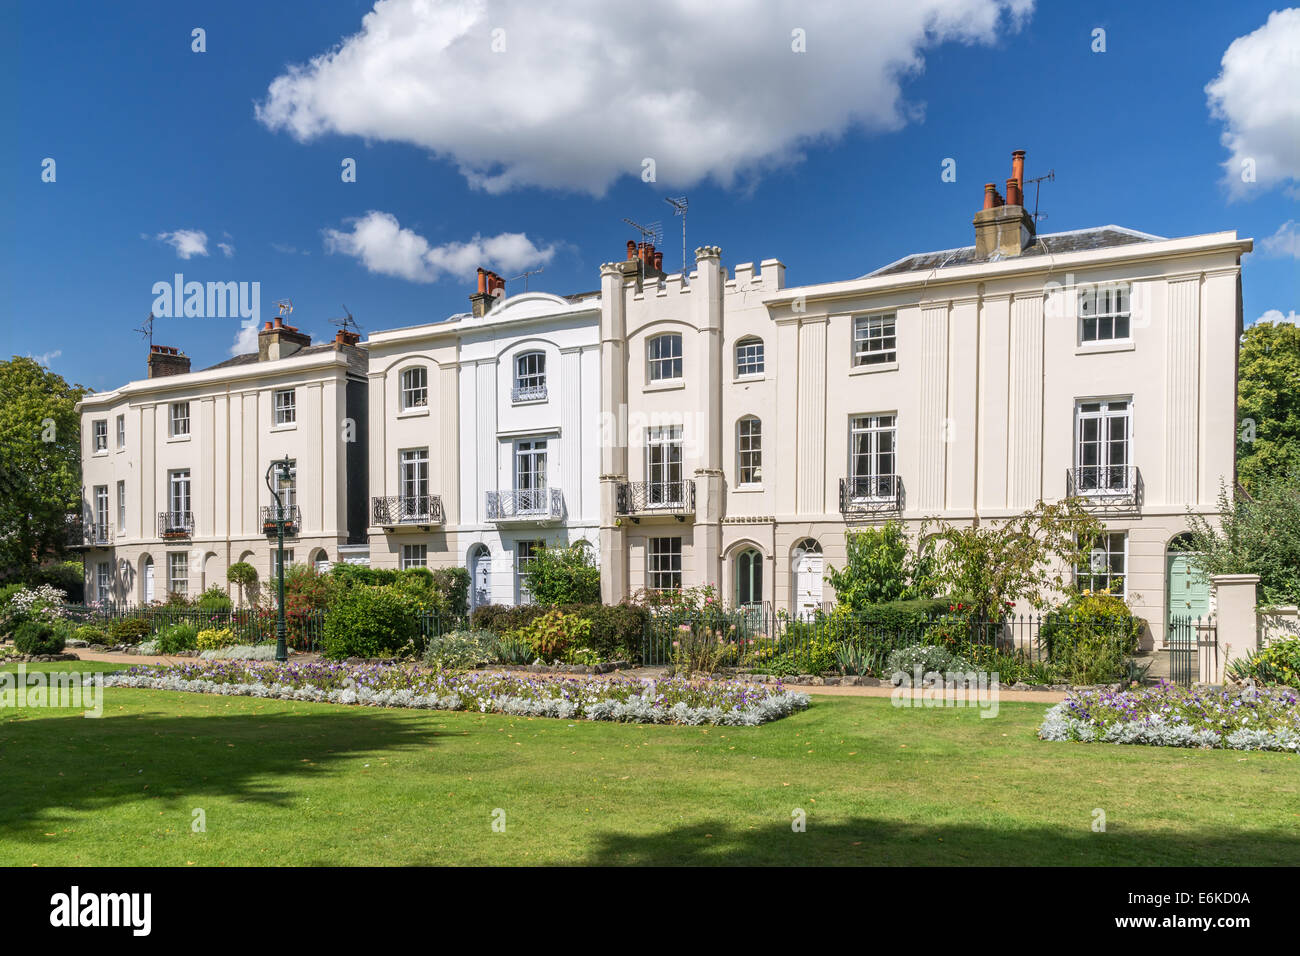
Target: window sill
(746,379)
(172,438)
(286,427)
(874,367)
(102,453)
(516,402)
(1121,345)
(664,385)
(416,412)
(747,489)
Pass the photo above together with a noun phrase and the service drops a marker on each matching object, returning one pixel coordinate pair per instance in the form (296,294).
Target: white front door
(808,584)
(481,575)
(148,582)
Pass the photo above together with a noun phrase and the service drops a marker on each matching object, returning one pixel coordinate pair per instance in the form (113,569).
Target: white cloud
(1283,244)
(1255,96)
(226,248)
(187,242)
(380,243)
(580,95)
(45,358)
(1276,316)
(245,338)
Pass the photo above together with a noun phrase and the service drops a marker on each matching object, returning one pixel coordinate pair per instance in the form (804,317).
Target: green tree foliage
(244,575)
(1268,404)
(880,567)
(40,464)
(1030,557)
(564,575)
(1254,535)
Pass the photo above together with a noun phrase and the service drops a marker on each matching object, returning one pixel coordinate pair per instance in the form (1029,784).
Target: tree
(879,567)
(1027,558)
(40,465)
(564,575)
(1268,404)
(244,575)
(1255,535)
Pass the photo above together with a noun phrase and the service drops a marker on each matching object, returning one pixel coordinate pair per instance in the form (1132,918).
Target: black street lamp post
(285,466)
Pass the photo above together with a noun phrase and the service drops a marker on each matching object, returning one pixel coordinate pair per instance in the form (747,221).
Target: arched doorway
(480,576)
(749,578)
(1187,591)
(806,567)
(146,580)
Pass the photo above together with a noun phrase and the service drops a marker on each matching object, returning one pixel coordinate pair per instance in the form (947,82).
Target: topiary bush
(39,637)
(371,621)
(128,630)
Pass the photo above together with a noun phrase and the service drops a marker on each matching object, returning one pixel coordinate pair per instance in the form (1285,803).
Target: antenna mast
(347,323)
(679,205)
(652,234)
(525,275)
(1050,176)
(146,330)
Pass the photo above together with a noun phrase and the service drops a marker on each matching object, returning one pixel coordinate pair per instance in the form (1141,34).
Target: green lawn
(322,784)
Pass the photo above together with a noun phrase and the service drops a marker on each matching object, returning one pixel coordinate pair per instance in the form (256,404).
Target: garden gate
(1193,646)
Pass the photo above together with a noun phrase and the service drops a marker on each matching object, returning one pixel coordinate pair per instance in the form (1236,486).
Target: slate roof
(1056,243)
(250,358)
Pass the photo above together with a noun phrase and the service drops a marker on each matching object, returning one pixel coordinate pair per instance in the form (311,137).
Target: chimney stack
(490,288)
(1002,228)
(277,340)
(165,360)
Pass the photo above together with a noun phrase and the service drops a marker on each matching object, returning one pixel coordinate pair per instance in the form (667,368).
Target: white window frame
(99,429)
(101,512)
(530,376)
(286,412)
(414,388)
(104,580)
(415,556)
(121,507)
(661,365)
(121,432)
(750,357)
(530,464)
(180,490)
(179,560)
(663,568)
(875,339)
(1117,475)
(1103,311)
(873,427)
(275,558)
(1086,578)
(749,452)
(413,481)
(525,554)
(664,469)
(179,420)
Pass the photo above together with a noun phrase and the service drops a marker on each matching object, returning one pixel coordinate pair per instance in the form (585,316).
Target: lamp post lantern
(284,466)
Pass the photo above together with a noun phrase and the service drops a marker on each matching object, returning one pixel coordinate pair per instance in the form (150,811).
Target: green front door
(1188,592)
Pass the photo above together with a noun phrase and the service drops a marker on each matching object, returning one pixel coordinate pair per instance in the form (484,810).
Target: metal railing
(175,524)
(1105,486)
(675,498)
(862,495)
(406,509)
(526,504)
(528,393)
(1193,647)
(87,534)
(292,515)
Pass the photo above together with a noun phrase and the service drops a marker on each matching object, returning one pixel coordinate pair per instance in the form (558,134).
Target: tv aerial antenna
(146,330)
(679,204)
(652,234)
(1049,176)
(284,307)
(347,323)
(525,275)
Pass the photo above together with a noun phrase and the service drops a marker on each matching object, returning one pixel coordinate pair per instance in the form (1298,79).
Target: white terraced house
(174,466)
(758,422)
(484,433)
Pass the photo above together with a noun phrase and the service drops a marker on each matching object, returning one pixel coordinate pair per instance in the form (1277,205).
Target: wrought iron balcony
(1105,487)
(640,499)
(87,534)
(416,511)
(869,495)
(525,505)
(175,524)
(292,522)
(528,393)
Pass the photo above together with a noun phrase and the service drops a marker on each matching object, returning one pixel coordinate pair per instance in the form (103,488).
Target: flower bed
(389,685)
(1169,716)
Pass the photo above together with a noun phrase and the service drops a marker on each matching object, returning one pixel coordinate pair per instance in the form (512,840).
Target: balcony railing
(1106,487)
(639,499)
(415,510)
(868,495)
(528,393)
(527,504)
(87,534)
(292,515)
(175,524)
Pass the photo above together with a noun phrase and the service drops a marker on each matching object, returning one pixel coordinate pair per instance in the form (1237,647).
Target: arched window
(749,578)
(664,355)
(415,387)
(749,357)
(749,451)
(530,377)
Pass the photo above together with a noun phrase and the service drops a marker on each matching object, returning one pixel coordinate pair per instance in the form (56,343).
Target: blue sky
(150,138)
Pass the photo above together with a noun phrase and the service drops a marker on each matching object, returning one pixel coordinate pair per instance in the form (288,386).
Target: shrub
(214,599)
(214,637)
(564,575)
(177,638)
(43,603)
(91,634)
(1277,663)
(698,648)
(1089,638)
(928,657)
(461,650)
(879,568)
(39,637)
(128,630)
(816,655)
(554,634)
(371,622)
(616,629)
